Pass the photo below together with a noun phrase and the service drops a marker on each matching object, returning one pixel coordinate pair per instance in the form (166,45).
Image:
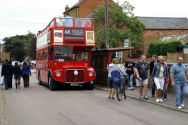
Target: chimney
(66,8)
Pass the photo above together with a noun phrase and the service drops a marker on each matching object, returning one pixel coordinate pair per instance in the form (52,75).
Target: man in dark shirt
(142,74)
(6,72)
(129,65)
(151,65)
(11,74)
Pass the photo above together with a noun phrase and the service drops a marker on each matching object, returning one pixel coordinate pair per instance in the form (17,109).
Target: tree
(18,46)
(122,25)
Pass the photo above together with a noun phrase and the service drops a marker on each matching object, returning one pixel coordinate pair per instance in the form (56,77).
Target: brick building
(84,8)
(157,27)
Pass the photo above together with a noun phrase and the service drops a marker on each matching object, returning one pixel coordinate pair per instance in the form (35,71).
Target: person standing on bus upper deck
(69,20)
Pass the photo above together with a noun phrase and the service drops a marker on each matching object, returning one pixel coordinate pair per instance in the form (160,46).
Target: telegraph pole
(106,24)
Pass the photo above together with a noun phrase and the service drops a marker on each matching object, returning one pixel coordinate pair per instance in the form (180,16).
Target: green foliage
(122,25)
(115,37)
(18,46)
(163,47)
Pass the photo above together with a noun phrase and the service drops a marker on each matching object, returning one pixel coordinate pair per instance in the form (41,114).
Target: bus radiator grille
(72,78)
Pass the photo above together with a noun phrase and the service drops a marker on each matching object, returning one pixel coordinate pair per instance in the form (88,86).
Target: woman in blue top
(25,73)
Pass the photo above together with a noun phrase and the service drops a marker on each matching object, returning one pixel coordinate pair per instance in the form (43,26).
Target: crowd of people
(9,72)
(157,71)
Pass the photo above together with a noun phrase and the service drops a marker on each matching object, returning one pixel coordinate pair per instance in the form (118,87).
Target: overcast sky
(17,17)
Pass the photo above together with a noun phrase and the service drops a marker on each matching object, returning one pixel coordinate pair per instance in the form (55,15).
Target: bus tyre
(39,81)
(88,86)
(52,84)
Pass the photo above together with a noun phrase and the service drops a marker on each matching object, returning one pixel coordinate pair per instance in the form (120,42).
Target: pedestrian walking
(160,74)
(112,67)
(167,81)
(11,74)
(25,74)
(142,74)
(178,74)
(6,72)
(151,65)
(17,75)
(129,65)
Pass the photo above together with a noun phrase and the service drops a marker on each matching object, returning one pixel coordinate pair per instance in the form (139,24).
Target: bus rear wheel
(52,84)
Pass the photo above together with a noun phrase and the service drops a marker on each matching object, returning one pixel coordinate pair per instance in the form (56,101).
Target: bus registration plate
(75,84)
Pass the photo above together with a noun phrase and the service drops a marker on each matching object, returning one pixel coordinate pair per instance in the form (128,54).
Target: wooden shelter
(100,60)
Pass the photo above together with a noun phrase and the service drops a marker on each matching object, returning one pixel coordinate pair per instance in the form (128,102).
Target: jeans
(130,80)
(179,93)
(153,88)
(165,90)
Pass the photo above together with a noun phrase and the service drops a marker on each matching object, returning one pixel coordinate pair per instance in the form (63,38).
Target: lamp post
(106,24)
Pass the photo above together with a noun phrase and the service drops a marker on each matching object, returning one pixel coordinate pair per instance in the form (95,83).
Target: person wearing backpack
(113,67)
(25,74)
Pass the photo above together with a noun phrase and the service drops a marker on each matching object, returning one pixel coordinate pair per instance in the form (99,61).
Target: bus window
(40,56)
(83,22)
(80,56)
(45,55)
(67,21)
(63,53)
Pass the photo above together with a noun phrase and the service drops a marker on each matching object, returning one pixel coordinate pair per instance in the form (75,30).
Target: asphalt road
(37,105)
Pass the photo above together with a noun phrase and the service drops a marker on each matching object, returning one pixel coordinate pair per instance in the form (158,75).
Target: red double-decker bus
(63,55)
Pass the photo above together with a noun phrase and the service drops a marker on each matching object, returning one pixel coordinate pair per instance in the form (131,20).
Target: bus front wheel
(51,83)
(88,86)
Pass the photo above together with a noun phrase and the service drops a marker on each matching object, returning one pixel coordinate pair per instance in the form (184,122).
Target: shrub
(163,47)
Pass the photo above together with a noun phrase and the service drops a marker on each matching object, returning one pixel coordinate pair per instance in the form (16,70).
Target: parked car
(19,63)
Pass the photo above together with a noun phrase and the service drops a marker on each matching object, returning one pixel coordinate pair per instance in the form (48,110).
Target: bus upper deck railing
(71,22)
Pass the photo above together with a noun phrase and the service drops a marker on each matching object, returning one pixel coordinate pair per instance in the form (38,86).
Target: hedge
(163,47)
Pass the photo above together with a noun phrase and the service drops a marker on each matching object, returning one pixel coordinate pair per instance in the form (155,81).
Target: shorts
(17,77)
(141,82)
(159,82)
(110,83)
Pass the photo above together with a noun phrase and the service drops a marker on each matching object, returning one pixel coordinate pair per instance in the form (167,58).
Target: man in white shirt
(69,20)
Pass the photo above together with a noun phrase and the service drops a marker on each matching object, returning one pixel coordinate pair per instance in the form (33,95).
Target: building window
(119,54)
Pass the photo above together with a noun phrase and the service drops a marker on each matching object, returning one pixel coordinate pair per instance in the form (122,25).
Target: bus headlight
(58,74)
(90,74)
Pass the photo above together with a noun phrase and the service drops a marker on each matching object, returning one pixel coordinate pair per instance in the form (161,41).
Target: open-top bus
(63,54)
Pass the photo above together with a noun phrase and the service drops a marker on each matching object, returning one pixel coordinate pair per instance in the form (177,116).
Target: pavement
(169,103)
(3,119)
(2,107)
